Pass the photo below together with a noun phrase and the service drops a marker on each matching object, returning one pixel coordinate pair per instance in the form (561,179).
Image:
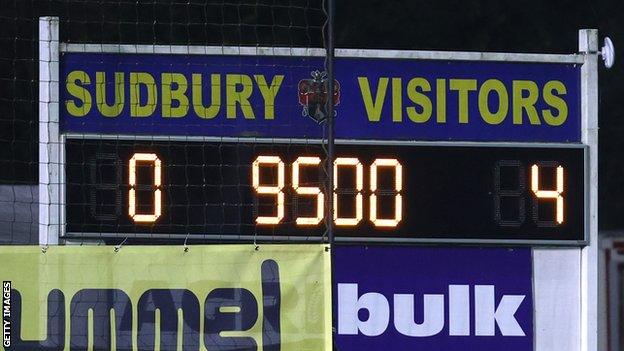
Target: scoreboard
(215,147)
(438,156)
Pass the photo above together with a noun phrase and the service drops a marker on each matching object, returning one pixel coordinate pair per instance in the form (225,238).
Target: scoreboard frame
(48,210)
(53,229)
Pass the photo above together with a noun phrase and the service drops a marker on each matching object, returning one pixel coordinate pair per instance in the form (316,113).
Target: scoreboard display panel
(275,190)
(218,147)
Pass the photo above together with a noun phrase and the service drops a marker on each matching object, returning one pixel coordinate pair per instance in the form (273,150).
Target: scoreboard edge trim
(319,52)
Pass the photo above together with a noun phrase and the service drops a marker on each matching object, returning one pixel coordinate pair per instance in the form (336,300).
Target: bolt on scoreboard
(222,147)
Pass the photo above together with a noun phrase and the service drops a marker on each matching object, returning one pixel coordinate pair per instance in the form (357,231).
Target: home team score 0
(216,146)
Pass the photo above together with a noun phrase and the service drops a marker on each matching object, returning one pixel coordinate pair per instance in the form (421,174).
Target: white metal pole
(588,46)
(49,137)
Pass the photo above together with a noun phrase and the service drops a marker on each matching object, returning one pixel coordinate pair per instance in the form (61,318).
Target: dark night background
(531,26)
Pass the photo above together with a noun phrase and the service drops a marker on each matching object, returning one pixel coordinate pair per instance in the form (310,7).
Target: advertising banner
(431,298)
(274,97)
(220,297)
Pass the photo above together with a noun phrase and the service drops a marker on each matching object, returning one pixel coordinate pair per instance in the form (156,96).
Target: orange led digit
(549,194)
(398,186)
(268,189)
(359,184)
(132,201)
(308,190)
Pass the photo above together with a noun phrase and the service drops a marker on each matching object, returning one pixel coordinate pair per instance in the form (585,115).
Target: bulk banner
(276,97)
(221,297)
(430,298)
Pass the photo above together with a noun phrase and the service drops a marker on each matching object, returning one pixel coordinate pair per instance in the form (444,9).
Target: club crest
(313,96)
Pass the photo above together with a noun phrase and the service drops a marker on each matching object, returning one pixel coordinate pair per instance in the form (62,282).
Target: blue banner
(431,298)
(265,96)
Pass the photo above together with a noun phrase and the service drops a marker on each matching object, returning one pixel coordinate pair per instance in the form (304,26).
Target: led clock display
(234,191)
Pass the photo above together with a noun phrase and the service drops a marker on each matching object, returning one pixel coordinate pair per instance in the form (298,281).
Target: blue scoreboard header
(258,96)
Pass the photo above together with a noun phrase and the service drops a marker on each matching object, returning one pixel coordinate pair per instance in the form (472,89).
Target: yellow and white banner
(218,297)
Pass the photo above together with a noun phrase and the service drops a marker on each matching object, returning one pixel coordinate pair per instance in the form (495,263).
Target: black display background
(448,191)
